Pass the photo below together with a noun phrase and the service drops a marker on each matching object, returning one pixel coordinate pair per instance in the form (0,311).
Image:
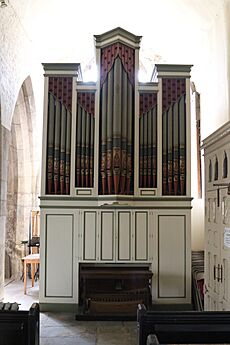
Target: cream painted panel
(225,279)
(107,236)
(209,273)
(124,235)
(59,255)
(141,235)
(89,235)
(171,256)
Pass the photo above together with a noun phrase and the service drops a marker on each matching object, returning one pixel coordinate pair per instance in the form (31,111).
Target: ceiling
(173,30)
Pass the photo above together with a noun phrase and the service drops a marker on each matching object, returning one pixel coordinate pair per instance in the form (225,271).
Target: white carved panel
(171,256)
(124,235)
(107,236)
(89,235)
(141,235)
(59,255)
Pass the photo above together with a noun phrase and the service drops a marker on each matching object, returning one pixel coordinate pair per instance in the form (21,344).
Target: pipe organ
(116,173)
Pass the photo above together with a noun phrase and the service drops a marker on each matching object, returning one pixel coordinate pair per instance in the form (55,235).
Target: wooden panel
(90,235)
(59,255)
(141,235)
(171,256)
(107,236)
(124,235)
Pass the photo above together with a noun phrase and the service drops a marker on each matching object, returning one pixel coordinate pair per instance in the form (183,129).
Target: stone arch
(22,185)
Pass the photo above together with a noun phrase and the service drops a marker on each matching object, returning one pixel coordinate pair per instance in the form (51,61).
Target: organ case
(119,147)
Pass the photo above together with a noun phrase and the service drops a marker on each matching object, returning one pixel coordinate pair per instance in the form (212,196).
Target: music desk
(33,260)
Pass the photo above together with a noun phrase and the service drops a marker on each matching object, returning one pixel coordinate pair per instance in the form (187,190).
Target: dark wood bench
(19,327)
(183,327)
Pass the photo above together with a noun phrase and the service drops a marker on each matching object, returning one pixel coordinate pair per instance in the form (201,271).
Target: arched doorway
(22,182)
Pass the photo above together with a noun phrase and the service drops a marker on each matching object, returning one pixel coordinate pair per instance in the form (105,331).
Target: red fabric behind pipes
(147,102)
(84,172)
(174,175)
(172,89)
(147,160)
(61,87)
(110,53)
(116,144)
(87,101)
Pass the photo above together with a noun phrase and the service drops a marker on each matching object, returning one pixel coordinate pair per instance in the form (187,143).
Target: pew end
(182,327)
(19,327)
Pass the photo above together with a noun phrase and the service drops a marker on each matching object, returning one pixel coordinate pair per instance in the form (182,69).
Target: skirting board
(58,307)
(64,307)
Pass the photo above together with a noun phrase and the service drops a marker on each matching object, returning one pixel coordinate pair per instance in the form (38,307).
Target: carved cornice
(70,69)
(117,35)
(169,71)
(216,136)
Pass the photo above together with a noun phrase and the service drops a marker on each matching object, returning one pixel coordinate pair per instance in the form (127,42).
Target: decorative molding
(166,70)
(117,207)
(116,35)
(90,86)
(84,192)
(216,136)
(148,192)
(73,69)
(146,87)
(114,198)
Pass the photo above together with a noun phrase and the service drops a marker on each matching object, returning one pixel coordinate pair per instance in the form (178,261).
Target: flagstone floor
(63,329)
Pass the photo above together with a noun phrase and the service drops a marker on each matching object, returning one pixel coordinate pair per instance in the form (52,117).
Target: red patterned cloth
(61,87)
(147,101)
(87,101)
(172,89)
(125,53)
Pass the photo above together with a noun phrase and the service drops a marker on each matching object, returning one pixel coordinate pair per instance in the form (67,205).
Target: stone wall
(15,59)
(4,145)
(20,145)
(15,65)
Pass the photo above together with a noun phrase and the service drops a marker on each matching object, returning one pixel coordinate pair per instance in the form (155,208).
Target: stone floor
(63,329)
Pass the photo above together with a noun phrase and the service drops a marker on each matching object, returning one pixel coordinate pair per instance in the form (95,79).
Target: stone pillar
(4,148)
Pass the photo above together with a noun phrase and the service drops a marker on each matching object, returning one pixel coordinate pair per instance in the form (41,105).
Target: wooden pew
(183,327)
(19,327)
